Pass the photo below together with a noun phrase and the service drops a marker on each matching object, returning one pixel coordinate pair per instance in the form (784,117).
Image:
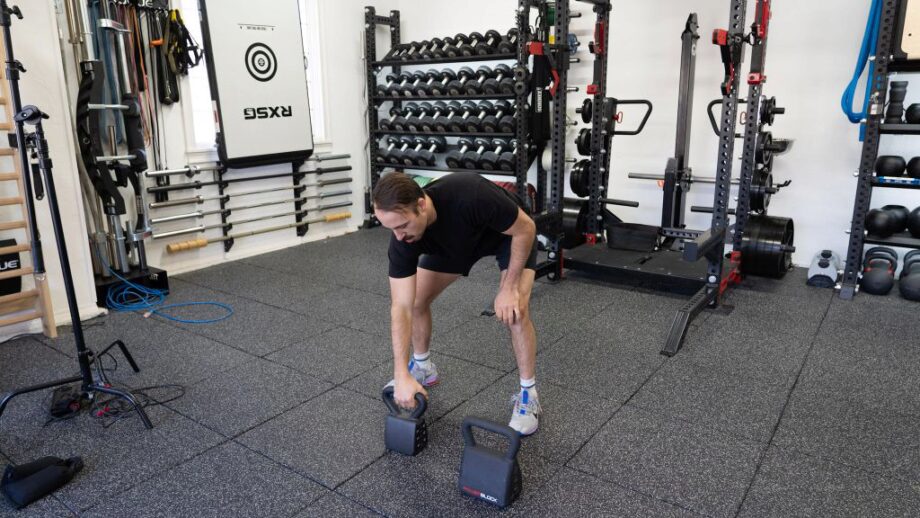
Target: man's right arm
(402,294)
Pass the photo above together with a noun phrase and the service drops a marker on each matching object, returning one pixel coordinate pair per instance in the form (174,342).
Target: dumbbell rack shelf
(444,134)
(902,239)
(479,97)
(893,182)
(443,169)
(899,129)
(437,61)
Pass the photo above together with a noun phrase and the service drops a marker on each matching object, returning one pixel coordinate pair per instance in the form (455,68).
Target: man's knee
(421,307)
(521,322)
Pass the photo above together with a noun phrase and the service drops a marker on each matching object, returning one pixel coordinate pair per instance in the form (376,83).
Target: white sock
(529,384)
(422,360)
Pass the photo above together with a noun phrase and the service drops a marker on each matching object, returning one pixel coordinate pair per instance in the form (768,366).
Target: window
(203,128)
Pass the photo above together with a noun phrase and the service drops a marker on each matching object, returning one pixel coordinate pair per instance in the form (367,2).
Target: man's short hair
(397,191)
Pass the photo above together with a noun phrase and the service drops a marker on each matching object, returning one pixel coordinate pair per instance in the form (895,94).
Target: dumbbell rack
(523,113)
(866,182)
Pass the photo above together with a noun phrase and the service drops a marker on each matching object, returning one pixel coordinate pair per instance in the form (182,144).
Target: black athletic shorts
(438,263)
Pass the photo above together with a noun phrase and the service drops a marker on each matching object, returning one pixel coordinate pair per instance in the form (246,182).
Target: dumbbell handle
(481,150)
(433,147)
(464,149)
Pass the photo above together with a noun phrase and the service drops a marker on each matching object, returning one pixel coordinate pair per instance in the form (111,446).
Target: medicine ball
(913,114)
(913,222)
(898,215)
(913,167)
(890,165)
(880,223)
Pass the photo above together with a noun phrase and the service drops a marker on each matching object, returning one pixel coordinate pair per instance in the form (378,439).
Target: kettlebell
(909,282)
(899,214)
(880,223)
(913,222)
(878,270)
(489,475)
(405,435)
(890,165)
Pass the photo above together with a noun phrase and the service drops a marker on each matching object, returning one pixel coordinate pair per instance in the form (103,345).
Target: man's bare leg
(429,284)
(523,335)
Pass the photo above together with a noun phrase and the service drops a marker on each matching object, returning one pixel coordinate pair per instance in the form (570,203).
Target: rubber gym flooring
(794,403)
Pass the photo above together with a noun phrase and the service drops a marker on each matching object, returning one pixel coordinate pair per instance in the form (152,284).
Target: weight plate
(574,222)
(766,247)
(583,142)
(578,178)
(587,111)
(761,184)
(763,155)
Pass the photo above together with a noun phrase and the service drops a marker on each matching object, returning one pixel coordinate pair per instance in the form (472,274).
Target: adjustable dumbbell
(475,87)
(395,122)
(426,157)
(458,122)
(383,155)
(473,159)
(474,123)
(878,270)
(453,50)
(395,155)
(458,86)
(455,158)
(490,159)
(501,120)
(501,81)
(475,46)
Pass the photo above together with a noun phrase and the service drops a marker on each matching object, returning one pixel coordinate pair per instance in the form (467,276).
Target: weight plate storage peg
(405,435)
(489,475)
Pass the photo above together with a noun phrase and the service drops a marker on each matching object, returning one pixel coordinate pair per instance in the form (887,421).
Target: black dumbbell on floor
(458,122)
(501,120)
(454,159)
(473,159)
(502,81)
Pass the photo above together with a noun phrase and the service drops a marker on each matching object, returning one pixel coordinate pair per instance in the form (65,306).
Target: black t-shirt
(472,213)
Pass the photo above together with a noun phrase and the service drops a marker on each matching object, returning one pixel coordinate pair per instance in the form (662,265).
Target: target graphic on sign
(261,62)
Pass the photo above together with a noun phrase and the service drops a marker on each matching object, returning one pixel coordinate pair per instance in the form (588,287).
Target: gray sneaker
(526,409)
(427,377)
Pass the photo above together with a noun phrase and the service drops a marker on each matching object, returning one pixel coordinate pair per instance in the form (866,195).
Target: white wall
(807,70)
(35,43)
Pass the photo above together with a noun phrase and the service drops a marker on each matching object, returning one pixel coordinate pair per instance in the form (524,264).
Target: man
(438,234)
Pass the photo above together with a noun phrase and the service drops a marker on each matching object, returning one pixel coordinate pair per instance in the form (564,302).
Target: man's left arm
(522,232)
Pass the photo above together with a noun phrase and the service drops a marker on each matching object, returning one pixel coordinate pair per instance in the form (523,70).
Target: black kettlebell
(880,223)
(898,215)
(878,270)
(890,165)
(486,474)
(913,222)
(909,283)
(913,114)
(913,167)
(406,435)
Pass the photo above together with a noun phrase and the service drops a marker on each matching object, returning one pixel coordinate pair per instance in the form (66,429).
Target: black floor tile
(44,508)
(768,313)
(120,456)
(253,327)
(336,355)
(328,439)
(459,381)
(228,480)
(250,281)
(234,401)
(334,505)
(686,464)
(857,434)
(569,418)
(717,397)
(743,351)
(609,366)
(793,484)
(868,326)
(360,310)
(483,340)
(427,484)
(573,494)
